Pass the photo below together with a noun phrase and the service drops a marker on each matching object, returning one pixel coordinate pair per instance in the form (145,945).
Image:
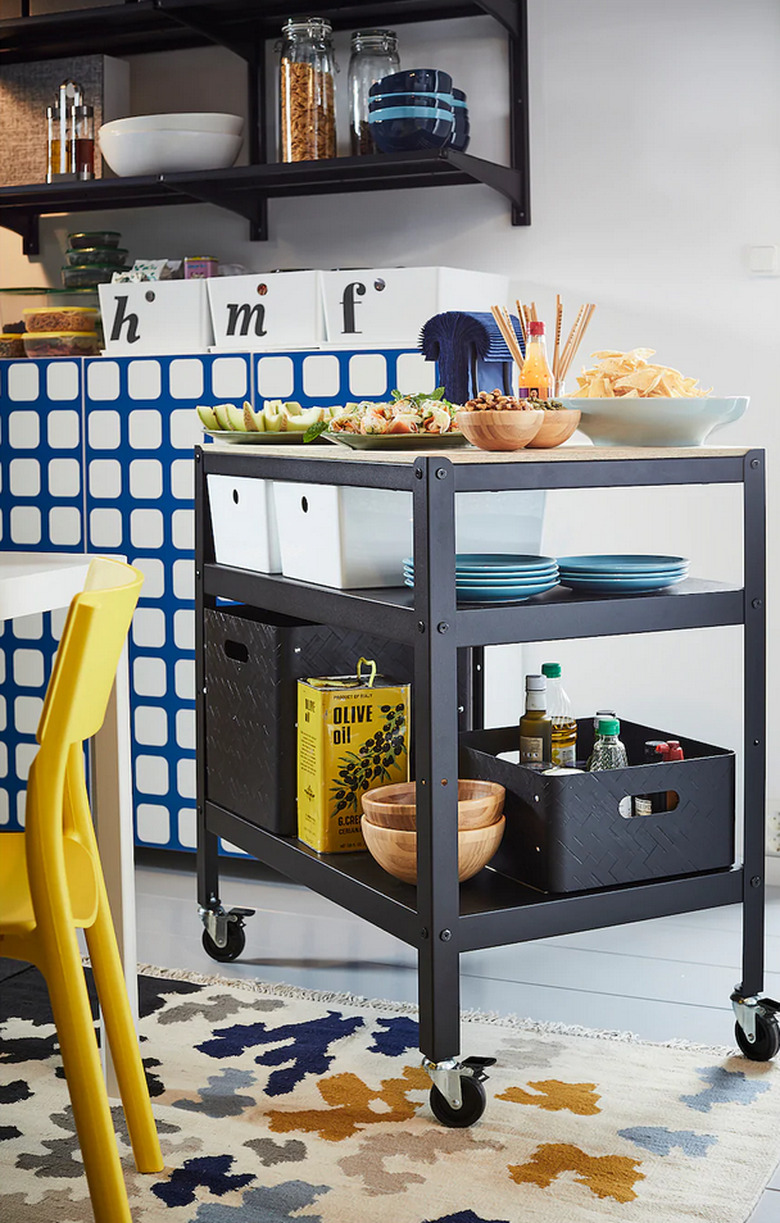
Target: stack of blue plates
(621,574)
(492,577)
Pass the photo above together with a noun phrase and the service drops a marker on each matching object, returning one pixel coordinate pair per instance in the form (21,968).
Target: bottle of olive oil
(535,725)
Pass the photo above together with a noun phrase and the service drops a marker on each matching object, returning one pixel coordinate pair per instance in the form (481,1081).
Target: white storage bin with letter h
(155,316)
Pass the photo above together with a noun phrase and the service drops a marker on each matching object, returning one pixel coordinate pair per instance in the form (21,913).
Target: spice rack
(440,918)
(243,27)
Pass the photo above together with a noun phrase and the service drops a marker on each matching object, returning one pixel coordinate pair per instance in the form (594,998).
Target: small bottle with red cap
(536,380)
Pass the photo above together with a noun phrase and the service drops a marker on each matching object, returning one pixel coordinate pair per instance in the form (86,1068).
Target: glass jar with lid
(374,55)
(307,109)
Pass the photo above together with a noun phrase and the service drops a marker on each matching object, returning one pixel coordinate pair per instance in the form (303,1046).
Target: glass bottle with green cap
(564,724)
(608,751)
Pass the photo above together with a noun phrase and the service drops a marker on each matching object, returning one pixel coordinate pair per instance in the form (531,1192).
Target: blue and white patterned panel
(337,376)
(141,429)
(41,508)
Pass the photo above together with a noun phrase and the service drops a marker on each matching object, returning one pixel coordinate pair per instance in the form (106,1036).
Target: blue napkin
(471,353)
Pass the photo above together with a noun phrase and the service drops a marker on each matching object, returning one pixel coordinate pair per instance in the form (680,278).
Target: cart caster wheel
(236,941)
(767,1042)
(473,1101)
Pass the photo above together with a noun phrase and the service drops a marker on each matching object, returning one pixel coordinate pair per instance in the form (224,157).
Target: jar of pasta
(307,110)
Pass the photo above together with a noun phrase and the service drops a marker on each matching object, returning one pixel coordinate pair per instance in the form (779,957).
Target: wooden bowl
(394,806)
(510,430)
(556,427)
(395,849)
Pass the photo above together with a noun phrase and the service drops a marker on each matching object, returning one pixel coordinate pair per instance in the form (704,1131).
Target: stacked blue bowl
(417,109)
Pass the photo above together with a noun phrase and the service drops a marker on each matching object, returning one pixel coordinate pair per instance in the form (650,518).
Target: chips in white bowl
(629,375)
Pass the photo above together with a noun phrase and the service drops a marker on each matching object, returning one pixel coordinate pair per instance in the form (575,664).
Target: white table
(33,582)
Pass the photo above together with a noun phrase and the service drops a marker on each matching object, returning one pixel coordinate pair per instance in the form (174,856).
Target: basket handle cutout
(648,804)
(236,650)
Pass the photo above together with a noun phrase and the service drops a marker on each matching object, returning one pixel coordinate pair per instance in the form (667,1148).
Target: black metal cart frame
(441,918)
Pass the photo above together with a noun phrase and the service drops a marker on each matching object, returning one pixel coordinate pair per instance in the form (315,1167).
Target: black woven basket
(253,664)
(574,832)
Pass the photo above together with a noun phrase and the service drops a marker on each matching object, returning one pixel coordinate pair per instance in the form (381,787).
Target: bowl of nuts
(494,421)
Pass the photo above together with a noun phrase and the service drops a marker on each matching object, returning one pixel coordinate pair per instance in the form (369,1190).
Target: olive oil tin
(352,735)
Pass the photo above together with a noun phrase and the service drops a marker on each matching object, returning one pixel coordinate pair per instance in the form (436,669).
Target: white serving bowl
(189,121)
(654,422)
(168,152)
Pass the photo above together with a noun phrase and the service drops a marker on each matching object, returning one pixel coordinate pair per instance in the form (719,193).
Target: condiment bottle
(374,55)
(535,726)
(652,804)
(82,142)
(53,144)
(608,751)
(675,753)
(563,748)
(536,380)
(307,109)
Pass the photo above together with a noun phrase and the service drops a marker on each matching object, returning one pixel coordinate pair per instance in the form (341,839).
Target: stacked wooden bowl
(389,826)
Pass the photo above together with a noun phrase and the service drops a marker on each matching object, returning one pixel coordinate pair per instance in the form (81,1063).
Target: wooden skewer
(504,324)
(514,347)
(582,327)
(521,316)
(567,353)
(534,318)
(558,323)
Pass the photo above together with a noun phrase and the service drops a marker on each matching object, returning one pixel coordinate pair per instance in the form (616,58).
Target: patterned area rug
(276,1105)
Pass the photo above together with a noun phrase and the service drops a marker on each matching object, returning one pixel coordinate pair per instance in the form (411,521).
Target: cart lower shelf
(494,909)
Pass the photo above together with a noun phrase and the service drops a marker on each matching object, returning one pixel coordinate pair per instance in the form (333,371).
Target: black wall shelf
(243,26)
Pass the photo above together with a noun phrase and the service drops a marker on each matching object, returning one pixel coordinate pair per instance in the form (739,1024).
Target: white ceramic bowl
(135,153)
(189,121)
(654,422)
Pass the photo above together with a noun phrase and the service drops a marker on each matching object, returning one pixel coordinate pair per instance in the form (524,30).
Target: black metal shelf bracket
(251,206)
(208,30)
(26,224)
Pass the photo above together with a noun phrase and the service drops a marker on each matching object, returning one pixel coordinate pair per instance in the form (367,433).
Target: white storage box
(499,522)
(267,310)
(347,538)
(155,316)
(354,537)
(390,305)
(243,520)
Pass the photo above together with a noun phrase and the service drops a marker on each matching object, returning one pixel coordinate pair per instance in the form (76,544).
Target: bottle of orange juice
(536,380)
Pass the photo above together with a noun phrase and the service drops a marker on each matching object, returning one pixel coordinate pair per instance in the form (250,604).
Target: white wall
(655,164)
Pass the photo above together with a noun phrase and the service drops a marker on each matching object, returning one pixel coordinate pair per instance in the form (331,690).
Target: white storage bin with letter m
(268,310)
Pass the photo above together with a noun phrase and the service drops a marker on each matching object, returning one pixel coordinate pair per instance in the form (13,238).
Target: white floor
(663,979)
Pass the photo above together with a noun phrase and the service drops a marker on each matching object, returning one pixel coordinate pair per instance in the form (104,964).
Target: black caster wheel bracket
(223,931)
(457,1097)
(756,1030)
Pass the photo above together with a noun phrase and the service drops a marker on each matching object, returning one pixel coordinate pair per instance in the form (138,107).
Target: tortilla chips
(629,375)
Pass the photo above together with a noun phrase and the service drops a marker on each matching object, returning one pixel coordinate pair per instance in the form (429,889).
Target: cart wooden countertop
(334,453)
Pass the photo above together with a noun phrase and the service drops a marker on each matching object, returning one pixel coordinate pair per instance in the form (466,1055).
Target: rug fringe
(513,1022)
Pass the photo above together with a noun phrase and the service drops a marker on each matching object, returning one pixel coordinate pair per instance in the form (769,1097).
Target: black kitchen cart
(441,918)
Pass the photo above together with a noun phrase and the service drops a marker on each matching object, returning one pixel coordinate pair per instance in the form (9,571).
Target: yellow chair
(51,882)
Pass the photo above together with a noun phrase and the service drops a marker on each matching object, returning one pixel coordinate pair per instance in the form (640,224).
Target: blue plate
(594,576)
(498,560)
(490,575)
(619,585)
(638,564)
(511,584)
